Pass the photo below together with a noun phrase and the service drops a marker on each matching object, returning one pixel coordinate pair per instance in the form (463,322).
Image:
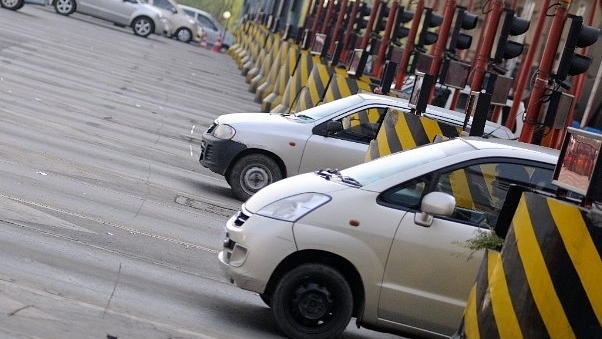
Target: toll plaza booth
(545,281)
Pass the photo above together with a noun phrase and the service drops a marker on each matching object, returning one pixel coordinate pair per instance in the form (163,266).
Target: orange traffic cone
(204,41)
(217,46)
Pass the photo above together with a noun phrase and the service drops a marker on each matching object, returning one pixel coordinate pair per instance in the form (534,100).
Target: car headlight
(294,207)
(225,132)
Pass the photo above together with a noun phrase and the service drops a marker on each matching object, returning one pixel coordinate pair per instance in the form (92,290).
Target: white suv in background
(143,18)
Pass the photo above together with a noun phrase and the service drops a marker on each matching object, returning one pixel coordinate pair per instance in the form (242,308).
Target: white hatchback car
(252,150)
(383,241)
(143,18)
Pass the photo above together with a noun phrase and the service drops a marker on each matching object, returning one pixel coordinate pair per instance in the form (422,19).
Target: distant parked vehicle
(211,27)
(143,18)
(184,28)
(17,4)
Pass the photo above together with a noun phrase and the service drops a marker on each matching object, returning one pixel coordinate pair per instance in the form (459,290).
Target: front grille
(208,152)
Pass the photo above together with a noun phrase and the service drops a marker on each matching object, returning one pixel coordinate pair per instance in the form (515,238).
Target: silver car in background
(211,27)
(184,28)
(143,18)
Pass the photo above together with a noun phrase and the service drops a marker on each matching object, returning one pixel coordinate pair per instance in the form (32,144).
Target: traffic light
(464,20)
(362,17)
(399,31)
(580,35)
(431,20)
(381,18)
(512,26)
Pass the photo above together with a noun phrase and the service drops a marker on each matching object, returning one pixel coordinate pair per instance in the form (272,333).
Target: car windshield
(384,167)
(324,110)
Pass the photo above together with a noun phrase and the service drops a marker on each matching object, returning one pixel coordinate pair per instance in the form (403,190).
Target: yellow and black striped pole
(546,282)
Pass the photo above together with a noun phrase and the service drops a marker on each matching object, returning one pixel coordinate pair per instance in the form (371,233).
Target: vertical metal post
(408,49)
(380,58)
(543,73)
(525,68)
(482,57)
(440,46)
(368,32)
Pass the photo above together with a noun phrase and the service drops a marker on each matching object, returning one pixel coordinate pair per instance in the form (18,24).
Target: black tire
(252,173)
(312,301)
(13,5)
(64,7)
(183,34)
(143,26)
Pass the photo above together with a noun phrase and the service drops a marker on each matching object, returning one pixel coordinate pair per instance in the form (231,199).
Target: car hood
(263,121)
(303,183)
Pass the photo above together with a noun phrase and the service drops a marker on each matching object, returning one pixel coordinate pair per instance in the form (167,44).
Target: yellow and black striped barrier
(545,283)
(255,47)
(342,86)
(403,130)
(286,71)
(313,93)
(260,52)
(296,82)
(266,65)
(270,81)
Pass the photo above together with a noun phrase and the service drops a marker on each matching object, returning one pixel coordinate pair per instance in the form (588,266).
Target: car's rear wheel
(143,26)
(252,173)
(312,301)
(183,34)
(12,4)
(64,7)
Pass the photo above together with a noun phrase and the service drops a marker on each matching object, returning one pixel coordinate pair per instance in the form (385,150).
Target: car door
(430,271)
(118,11)
(211,30)
(344,147)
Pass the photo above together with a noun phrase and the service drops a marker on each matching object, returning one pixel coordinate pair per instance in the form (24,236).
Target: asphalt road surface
(109,227)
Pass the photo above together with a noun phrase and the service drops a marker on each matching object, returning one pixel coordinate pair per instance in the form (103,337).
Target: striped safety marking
(343,86)
(266,65)
(286,70)
(313,92)
(403,130)
(296,82)
(266,88)
(546,282)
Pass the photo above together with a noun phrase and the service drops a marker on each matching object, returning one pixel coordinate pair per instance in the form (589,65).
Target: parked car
(211,27)
(17,4)
(143,18)
(252,150)
(184,28)
(383,241)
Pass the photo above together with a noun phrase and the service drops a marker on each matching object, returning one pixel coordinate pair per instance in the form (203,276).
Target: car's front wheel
(312,301)
(183,34)
(252,173)
(64,7)
(143,26)
(12,4)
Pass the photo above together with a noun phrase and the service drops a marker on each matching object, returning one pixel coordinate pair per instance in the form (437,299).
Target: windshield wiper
(328,173)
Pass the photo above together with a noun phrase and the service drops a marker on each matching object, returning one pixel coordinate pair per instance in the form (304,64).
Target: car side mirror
(333,127)
(435,203)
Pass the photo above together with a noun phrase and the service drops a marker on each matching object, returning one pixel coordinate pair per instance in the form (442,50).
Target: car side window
(406,195)
(361,126)
(206,22)
(164,4)
(480,190)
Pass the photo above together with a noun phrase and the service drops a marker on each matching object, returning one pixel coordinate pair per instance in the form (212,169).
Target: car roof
(196,10)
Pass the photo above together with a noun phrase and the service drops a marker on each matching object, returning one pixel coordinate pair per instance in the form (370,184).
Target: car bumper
(164,27)
(217,154)
(252,250)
